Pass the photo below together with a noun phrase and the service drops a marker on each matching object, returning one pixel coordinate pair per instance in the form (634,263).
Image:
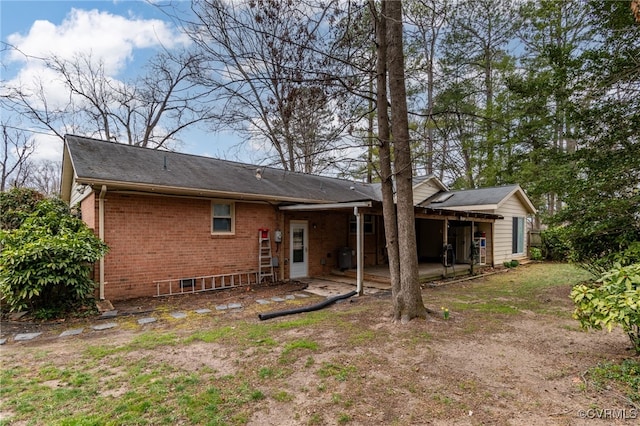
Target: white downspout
(359,258)
(103,192)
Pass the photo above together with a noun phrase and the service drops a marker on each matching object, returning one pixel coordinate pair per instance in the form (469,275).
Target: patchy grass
(624,375)
(343,365)
(528,288)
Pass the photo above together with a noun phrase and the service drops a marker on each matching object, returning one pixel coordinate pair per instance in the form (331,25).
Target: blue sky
(121,32)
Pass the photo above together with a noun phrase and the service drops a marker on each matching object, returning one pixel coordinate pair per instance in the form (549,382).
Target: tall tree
(149,111)
(16,149)
(553,35)
(44,177)
(427,19)
(474,53)
(265,63)
(384,147)
(408,302)
(601,197)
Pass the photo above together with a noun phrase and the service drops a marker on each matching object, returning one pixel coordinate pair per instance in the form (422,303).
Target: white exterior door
(299,253)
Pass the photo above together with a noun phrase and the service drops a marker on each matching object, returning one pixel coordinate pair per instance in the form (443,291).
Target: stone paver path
(23,337)
(72,332)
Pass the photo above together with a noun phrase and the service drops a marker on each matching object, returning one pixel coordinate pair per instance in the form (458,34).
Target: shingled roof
(476,199)
(120,166)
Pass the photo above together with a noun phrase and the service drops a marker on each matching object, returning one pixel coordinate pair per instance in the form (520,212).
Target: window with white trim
(518,235)
(222,217)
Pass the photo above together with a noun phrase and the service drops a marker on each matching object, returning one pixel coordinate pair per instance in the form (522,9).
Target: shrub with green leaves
(536,253)
(612,300)
(16,205)
(45,263)
(555,243)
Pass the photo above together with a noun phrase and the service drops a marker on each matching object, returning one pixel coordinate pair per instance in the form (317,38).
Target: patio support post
(103,192)
(473,245)
(359,257)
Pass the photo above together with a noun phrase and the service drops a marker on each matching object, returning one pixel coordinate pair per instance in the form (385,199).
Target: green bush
(511,263)
(612,300)
(630,255)
(536,253)
(16,205)
(555,243)
(45,263)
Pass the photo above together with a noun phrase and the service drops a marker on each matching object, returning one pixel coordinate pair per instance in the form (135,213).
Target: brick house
(173,219)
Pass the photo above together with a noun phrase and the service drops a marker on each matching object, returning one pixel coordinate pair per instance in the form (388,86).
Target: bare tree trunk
(408,304)
(15,150)
(386,174)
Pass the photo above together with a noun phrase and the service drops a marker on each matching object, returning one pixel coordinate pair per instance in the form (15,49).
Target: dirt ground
(475,368)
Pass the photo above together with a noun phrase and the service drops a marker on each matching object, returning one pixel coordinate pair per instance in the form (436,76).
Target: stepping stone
(109,314)
(221,307)
(3,341)
(289,297)
(235,306)
(262,301)
(148,320)
(104,326)
(72,332)
(301,295)
(202,311)
(25,336)
(277,299)
(178,315)
(15,316)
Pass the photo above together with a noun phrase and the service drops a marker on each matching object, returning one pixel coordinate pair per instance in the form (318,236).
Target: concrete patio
(377,278)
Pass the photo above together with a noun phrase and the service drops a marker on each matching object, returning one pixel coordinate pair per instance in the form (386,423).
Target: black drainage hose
(310,308)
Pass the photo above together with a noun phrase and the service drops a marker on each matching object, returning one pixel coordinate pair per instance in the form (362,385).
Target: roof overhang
(326,206)
(458,214)
(151,189)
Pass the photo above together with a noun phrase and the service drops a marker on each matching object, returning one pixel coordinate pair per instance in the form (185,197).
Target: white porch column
(103,193)
(359,255)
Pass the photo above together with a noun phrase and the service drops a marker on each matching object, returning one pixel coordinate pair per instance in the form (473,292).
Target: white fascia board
(331,206)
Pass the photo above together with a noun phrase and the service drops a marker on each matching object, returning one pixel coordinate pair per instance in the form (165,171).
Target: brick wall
(328,233)
(88,210)
(155,238)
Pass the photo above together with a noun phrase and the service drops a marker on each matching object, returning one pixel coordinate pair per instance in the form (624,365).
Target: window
(368,224)
(518,235)
(222,213)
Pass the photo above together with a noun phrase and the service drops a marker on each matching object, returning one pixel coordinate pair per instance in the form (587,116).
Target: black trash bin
(344,258)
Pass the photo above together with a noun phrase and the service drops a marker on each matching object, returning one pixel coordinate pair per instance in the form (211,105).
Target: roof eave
(193,192)
(477,207)
(327,206)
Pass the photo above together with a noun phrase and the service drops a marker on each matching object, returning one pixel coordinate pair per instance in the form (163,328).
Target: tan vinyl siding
(76,196)
(503,244)
(424,190)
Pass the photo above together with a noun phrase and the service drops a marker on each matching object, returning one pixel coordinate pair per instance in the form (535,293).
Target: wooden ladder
(265,262)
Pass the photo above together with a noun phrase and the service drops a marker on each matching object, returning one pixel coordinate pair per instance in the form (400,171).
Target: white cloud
(47,148)
(105,36)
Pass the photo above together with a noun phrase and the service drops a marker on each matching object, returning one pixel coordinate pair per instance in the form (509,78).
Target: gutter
(103,193)
(326,206)
(153,189)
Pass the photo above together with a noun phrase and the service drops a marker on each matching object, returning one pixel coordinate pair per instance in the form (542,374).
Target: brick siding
(155,238)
